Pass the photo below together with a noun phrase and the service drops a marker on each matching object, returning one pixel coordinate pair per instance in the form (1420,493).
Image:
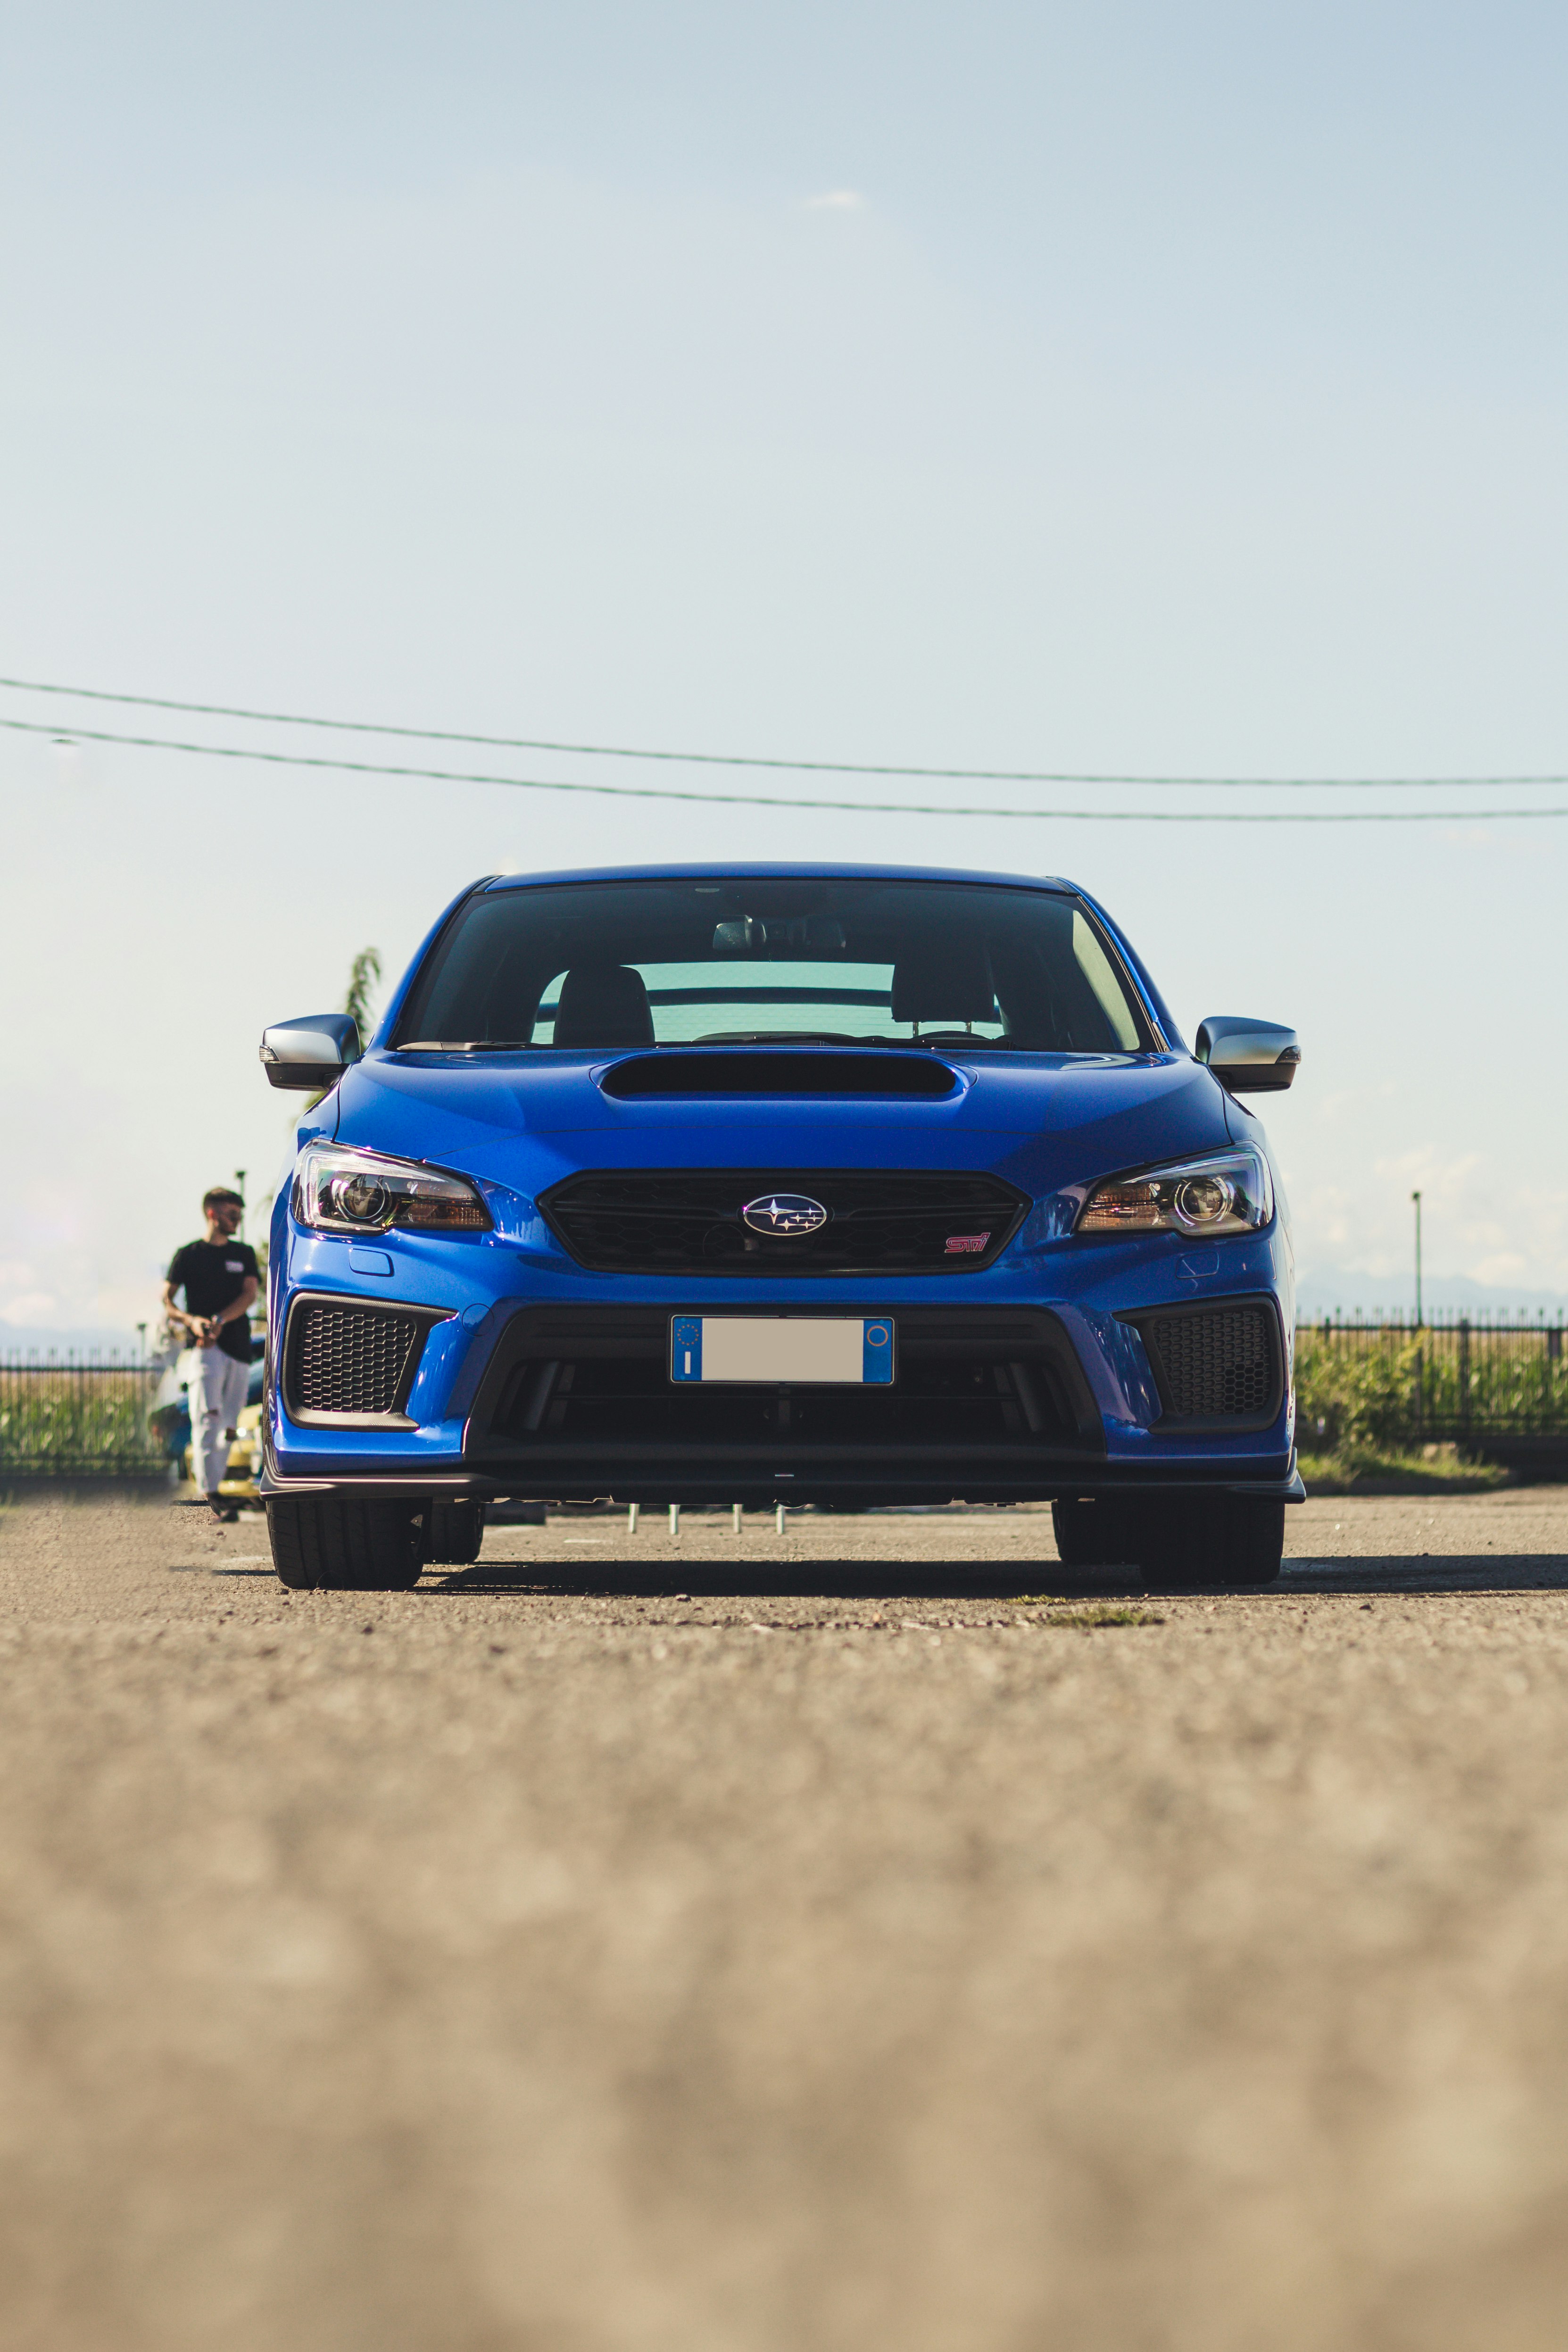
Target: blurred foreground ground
(761,1945)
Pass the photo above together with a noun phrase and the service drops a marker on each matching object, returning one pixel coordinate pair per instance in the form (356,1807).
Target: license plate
(773,1351)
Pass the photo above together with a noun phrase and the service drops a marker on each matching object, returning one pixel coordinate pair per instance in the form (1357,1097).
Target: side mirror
(1247,1057)
(311,1055)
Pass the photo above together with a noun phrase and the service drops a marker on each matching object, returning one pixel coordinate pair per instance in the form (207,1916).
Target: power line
(744,760)
(765,800)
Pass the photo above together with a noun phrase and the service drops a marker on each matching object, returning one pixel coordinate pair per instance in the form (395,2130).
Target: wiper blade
(765,1037)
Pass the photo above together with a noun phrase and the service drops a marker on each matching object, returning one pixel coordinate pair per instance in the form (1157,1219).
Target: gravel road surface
(866,1940)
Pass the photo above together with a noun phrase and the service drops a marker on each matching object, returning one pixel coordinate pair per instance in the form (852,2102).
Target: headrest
(952,983)
(603,1004)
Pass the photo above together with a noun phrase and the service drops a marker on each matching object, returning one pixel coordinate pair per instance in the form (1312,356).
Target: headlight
(361,1192)
(1227,1193)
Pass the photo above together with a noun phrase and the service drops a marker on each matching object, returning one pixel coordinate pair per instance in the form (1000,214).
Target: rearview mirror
(312,1054)
(1248,1058)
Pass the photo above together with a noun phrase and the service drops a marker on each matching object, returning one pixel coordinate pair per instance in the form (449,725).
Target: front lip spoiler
(466,1485)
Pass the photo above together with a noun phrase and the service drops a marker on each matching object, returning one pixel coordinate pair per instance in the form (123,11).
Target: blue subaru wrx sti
(843,1185)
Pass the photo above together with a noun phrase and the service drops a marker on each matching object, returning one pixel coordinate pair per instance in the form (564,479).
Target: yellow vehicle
(238,1484)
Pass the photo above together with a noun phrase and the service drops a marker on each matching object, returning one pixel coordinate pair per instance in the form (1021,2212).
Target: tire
(1098,1533)
(454,1533)
(1257,1538)
(1193,1541)
(345,1543)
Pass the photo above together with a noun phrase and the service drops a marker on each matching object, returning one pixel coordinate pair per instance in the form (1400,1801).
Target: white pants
(216,1394)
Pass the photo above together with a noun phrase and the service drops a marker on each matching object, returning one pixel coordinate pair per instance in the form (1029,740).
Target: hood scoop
(780,1077)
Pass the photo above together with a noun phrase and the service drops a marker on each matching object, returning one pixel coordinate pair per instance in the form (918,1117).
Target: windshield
(604,965)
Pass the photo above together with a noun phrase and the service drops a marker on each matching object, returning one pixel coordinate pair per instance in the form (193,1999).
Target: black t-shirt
(212,1274)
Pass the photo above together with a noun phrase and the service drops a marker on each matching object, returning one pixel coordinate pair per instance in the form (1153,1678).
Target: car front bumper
(1071,1311)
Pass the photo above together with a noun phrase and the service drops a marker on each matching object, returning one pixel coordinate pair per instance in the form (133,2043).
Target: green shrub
(65,1421)
(1347,1396)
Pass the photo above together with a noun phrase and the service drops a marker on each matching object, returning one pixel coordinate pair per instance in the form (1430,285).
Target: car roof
(794,870)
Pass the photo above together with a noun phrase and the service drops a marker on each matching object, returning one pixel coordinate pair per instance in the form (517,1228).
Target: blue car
(832,1184)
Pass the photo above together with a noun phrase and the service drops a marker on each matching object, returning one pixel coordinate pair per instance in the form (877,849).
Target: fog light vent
(1220,1365)
(350,1359)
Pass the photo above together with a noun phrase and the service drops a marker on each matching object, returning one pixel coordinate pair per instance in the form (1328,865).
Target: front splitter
(763,1493)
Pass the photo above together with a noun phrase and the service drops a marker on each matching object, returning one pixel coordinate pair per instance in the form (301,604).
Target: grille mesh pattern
(352,1360)
(1216,1365)
(688,1221)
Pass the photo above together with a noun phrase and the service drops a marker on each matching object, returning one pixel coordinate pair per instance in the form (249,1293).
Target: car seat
(603,1004)
(949,982)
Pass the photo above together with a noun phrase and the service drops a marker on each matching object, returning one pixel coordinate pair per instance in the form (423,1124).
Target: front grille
(688,1221)
(596,1380)
(350,1359)
(1220,1364)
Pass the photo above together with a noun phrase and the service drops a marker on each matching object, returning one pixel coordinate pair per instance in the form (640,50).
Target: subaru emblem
(785,1212)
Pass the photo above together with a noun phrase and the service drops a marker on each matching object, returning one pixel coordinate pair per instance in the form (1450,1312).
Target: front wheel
(345,1543)
(1095,1531)
(1201,1539)
(1257,1538)
(454,1533)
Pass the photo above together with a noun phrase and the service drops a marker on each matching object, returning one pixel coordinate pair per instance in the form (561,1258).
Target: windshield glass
(602,965)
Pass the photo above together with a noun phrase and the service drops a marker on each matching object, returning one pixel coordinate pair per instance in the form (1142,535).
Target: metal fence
(70,1416)
(1493,1384)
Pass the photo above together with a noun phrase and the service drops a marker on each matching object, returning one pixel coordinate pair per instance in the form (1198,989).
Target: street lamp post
(1417,1198)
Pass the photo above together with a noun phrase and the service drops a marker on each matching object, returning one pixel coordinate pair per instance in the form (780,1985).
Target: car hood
(1044,1121)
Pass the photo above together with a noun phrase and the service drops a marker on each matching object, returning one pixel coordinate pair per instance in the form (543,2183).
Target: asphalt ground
(867,1937)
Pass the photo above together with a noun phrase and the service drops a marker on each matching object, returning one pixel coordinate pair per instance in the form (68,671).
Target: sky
(1137,389)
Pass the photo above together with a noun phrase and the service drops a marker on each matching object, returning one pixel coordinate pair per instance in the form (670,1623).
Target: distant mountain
(1321,1289)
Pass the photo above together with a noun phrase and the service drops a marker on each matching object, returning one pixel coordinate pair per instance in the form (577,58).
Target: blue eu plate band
(876,1353)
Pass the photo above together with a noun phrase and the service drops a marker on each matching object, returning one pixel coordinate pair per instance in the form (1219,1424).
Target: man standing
(218,1276)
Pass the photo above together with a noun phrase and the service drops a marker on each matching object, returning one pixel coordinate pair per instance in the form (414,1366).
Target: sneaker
(222,1509)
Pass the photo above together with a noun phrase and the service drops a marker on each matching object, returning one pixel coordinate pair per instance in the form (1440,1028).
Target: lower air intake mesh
(1216,1366)
(350,1359)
